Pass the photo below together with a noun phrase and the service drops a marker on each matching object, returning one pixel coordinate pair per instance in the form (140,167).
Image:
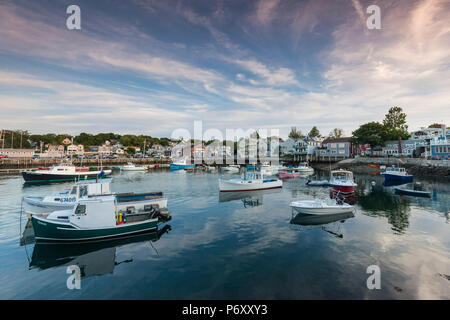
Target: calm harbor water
(240,246)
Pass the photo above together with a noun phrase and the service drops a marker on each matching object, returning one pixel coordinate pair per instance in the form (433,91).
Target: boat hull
(33,176)
(227,186)
(39,202)
(342,188)
(174,166)
(397,178)
(46,230)
(284,175)
(414,193)
(328,210)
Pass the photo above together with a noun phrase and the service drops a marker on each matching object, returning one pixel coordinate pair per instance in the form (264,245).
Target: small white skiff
(321,207)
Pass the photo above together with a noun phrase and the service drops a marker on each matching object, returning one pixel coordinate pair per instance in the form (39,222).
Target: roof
(332,140)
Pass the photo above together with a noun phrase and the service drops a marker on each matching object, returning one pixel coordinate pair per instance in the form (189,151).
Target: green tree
(336,133)
(314,132)
(370,133)
(395,124)
(295,134)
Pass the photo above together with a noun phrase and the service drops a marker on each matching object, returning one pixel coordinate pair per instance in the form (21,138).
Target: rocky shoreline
(423,170)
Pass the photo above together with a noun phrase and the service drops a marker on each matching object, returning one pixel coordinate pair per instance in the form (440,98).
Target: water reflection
(94,259)
(248,198)
(334,221)
(378,201)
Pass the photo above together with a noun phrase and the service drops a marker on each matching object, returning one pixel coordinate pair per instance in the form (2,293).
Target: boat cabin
(396,170)
(252,175)
(341,175)
(91,188)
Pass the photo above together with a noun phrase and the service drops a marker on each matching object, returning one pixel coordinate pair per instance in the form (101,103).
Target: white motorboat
(232,168)
(132,167)
(321,207)
(68,197)
(269,170)
(303,167)
(249,181)
(63,172)
(342,181)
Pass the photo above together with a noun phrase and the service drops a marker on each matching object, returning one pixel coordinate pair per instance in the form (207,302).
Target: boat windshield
(81,209)
(74,190)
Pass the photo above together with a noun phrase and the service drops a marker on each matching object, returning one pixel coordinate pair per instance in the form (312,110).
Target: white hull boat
(304,168)
(321,207)
(231,169)
(68,198)
(133,167)
(249,182)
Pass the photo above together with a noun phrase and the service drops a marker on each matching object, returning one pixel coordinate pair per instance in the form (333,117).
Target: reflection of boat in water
(304,220)
(97,258)
(314,220)
(249,198)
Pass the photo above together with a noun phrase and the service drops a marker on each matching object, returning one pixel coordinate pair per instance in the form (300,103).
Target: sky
(151,67)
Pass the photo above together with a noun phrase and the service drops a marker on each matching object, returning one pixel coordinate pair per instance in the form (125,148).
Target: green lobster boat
(100,217)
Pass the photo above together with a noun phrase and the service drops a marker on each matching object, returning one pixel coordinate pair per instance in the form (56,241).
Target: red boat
(342,181)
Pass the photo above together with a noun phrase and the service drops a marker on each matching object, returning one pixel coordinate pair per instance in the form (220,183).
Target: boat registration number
(73,199)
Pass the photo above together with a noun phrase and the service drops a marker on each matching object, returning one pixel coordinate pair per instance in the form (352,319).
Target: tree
(295,134)
(372,133)
(435,125)
(131,150)
(395,124)
(314,132)
(336,133)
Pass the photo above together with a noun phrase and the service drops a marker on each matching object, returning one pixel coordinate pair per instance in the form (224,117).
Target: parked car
(3,156)
(35,156)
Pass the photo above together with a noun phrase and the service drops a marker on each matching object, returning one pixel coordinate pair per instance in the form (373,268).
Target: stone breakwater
(433,169)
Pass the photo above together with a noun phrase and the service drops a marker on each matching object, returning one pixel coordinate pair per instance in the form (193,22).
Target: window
(74,190)
(83,191)
(81,209)
(341,145)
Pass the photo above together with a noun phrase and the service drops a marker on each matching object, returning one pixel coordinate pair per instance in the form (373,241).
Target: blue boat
(395,174)
(179,165)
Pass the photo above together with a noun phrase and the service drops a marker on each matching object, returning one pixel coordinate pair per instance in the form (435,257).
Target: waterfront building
(440,148)
(409,148)
(287,146)
(75,149)
(336,147)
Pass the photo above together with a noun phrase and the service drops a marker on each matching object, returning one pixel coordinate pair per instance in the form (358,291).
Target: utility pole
(12,139)
(21,136)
